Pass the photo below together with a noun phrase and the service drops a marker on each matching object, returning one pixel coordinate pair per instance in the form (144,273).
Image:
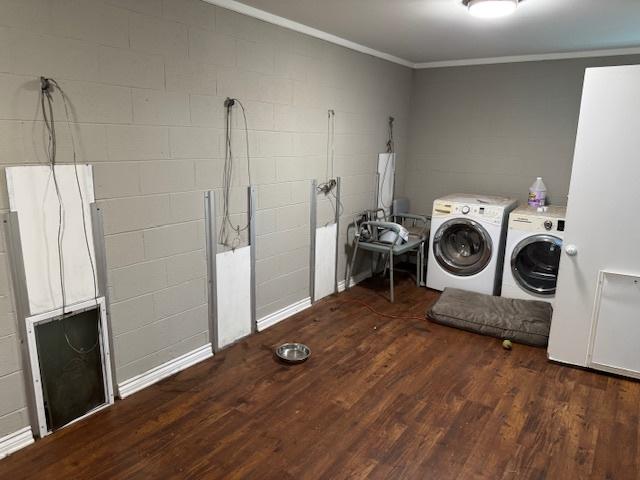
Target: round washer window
(535,262)
(462,247)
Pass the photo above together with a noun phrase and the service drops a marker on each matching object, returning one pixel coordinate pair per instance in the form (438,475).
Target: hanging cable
(228,228)
(65,102)
(329,186)
(330,182)
(46,102)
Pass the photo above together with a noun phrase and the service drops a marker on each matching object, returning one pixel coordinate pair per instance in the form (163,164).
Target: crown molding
(529,58)
(312,32)
(328,37)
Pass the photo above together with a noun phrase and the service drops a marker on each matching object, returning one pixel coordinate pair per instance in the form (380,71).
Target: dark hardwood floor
(379,398)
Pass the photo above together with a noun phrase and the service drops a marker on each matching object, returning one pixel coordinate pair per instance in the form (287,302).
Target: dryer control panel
(536,223)
(485,213)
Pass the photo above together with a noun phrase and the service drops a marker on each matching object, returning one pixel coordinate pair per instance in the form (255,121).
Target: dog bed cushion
(523,321)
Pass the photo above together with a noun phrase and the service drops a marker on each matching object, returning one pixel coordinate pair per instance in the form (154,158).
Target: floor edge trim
(15,441)
(282,314)
(148,378)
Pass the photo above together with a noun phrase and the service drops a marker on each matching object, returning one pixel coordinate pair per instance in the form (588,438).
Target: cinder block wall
(147,80)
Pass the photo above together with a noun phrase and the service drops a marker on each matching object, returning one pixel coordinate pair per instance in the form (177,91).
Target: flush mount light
(491,8)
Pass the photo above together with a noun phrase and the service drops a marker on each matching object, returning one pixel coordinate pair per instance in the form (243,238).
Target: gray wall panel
(494,128)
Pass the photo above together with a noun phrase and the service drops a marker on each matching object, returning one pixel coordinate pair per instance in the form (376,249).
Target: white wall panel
(325,272)
(233,284)
(32,194)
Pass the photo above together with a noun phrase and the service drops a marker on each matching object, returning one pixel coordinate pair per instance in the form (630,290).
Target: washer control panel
(486,213)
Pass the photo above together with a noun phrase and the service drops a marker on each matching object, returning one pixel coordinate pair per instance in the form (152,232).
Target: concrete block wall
(147,80)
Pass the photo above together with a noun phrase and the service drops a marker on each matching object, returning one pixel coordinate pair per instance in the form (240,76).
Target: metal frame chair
(418,226)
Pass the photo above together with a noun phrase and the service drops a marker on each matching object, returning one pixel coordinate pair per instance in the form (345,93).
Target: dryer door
(462,247)
(534,264)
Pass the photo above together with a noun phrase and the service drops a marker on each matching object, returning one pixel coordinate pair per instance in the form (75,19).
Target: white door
(602,227)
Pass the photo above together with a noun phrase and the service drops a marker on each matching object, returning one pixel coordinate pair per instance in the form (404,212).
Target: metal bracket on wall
(212,251)
(23,310)
(313,219)
(337,220)
(100,252)
(252,190)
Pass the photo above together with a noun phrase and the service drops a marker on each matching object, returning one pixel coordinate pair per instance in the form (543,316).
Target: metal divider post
(252,245)
(101,273)
(313,219)
(337,220)
(212,250)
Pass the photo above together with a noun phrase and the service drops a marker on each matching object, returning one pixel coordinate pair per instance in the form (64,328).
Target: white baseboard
(289,310)
(286,312)
(15,441)
(354,280)
(156,374)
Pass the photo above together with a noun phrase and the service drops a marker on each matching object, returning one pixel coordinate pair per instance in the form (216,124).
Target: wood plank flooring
(379,398)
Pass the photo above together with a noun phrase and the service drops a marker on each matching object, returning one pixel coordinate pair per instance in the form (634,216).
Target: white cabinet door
(602,227)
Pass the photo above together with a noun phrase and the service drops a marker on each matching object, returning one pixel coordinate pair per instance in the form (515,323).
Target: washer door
(462,247)
(534,263)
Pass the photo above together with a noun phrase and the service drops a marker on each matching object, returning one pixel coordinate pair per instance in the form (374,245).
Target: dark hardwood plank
(379,398)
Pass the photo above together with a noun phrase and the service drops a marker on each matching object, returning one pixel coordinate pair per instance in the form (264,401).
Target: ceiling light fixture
(491,8)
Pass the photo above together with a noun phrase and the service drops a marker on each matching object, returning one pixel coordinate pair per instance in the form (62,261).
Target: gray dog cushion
(523,321)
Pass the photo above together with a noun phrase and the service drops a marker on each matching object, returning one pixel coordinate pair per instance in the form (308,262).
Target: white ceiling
(425,31)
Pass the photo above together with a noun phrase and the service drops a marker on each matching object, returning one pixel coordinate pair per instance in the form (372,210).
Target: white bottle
(538,193)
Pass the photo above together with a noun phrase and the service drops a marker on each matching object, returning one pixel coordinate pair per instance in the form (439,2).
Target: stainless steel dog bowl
(293,352)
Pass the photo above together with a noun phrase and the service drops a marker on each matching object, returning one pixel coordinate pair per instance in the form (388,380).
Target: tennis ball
(507,345)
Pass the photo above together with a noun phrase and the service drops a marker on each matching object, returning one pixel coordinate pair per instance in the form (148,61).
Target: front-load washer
(466,248)
(532,255)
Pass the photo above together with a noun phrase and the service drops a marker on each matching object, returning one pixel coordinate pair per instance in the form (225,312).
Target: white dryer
(532,256)
(466,247)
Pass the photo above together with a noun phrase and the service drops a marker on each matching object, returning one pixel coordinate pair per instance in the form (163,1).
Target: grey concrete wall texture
(494,128)
(147,80)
